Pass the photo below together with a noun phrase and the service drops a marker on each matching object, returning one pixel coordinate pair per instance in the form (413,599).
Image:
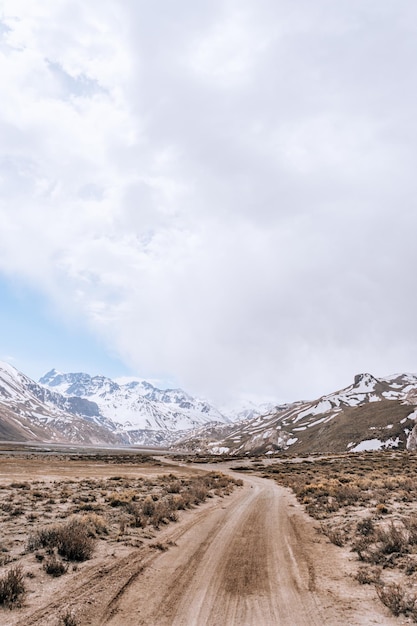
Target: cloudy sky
(218,194)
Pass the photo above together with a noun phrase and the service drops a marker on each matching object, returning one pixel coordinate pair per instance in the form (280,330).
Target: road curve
(243,564)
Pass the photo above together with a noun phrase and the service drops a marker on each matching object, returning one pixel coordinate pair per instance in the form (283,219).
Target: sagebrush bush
(148,507)
(368,575)
(335,535)
(199,492)
(12,587)
(365,527)
(410,523)
(54,566)
(43,538)
(392,540)
(392,596)
(174,487)
(72,540)
(68,619)
(95,524)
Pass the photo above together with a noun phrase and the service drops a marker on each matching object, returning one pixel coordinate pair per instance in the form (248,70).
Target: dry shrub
(95,524)
(148,506)
(169,507)
(335,535)
(361,546)
(121,498)
(175,502)
(137,518)
(392,596)
(160,515)
(54,566)
(392,540)
(365,527)
(160,546)
(18,485)
(43,538)
(368,575)
(174,487)
(72,540)
(383,547)
(186,500)
(68,619)
(12,587)
(410,523)
(410,566)
(199,492)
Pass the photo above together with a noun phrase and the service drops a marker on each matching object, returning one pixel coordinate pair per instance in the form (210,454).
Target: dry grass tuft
(12,588)
(54,566)
(108,511)
(381,490)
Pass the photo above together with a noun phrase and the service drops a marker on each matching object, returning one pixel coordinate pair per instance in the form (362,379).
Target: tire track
(240,567)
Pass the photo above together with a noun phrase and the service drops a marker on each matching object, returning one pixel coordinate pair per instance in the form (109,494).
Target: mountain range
(369,414)
(94,409)
(139,411)
(31,412)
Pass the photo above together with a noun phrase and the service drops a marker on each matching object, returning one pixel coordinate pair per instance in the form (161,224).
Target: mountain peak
(6,367)
(365,381)
(136,404)
(49,375)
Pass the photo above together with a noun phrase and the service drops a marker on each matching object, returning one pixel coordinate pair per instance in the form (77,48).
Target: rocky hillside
(140,412)
(369,414)
(77,407)
(29,412)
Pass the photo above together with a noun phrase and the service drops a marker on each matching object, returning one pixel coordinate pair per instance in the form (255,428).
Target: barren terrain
(367,503)
(246,555)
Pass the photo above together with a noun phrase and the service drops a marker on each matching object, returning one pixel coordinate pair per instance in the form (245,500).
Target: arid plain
(124,538)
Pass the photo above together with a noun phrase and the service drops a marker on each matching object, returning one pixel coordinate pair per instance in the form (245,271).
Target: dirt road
(242,564)
(254,561)
(250,559)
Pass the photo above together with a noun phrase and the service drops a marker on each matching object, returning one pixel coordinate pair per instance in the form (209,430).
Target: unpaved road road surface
(254,561)
(251,559)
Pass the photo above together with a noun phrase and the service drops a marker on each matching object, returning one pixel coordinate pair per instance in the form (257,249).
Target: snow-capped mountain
(28,411)
(371,413)
(137,405)
(248,409)
(94,409)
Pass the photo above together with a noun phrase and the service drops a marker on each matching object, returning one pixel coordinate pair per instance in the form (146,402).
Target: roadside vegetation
(366,502)
(51,527)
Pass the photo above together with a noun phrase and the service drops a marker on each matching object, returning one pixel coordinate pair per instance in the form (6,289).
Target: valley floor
(256,559)
(246,559)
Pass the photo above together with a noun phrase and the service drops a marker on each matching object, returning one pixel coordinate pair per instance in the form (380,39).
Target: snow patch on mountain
(39,413)
(381,403)
(249,410)
(136,404)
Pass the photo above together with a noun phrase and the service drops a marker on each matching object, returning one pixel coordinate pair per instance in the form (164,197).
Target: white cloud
(223,192)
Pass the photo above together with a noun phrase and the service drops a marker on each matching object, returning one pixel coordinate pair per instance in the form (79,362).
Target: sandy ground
(50,469)
(253,558)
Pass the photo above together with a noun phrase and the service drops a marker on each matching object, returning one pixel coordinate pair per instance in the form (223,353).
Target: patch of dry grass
(48,523)
(367,502)
(12,587)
